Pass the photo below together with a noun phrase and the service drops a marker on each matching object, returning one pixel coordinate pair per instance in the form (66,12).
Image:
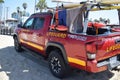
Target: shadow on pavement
(25,66)
(21,66)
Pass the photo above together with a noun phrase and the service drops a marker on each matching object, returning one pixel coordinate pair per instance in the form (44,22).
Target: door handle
(39,34)
(30,32)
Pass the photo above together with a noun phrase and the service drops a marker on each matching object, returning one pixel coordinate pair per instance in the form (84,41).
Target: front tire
(17,45)
(57,65)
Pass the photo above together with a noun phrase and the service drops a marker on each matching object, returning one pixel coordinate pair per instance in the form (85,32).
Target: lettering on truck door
(38,40)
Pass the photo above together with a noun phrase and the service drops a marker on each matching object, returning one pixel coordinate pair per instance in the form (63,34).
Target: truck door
(38,40)
(27,30)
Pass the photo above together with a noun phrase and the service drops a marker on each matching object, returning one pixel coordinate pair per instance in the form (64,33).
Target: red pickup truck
(68,40)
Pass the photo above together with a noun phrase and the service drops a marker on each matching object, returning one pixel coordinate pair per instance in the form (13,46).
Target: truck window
(77,26)
(28,24)
(39,23)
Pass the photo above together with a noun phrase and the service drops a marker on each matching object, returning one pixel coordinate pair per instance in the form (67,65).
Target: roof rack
(109,1)
(107,4)
(68,1)
(94,1)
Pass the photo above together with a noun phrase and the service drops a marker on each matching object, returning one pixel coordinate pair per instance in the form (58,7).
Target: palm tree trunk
(40,10)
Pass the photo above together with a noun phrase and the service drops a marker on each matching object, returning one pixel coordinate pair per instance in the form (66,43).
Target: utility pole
(7,9)
(19,17)
(35,7)
(1,9)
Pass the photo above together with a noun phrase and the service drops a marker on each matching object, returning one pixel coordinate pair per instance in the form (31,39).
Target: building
(11,23)
(1,9)
(21,17)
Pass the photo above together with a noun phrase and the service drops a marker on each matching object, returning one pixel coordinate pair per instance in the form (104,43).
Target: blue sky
(13,4)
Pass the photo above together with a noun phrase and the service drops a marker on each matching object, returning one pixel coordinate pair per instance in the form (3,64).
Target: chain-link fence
(6,31)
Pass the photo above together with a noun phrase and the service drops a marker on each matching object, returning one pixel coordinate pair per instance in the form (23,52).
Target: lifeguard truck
(68,39)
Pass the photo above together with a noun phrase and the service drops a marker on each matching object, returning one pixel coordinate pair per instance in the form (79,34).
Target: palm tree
(18,14)
(41,5)
(1,1)
(14,14)
(18,9)
(24,5)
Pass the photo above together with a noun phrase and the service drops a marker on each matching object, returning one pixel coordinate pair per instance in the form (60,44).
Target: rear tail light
(91,56)
(91,51)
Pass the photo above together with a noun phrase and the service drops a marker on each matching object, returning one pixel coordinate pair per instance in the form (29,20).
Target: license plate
(113,60)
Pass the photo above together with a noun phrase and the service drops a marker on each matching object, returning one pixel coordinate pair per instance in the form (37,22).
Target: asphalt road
(25,66)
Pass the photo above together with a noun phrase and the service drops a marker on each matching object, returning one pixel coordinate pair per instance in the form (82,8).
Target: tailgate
(108,46)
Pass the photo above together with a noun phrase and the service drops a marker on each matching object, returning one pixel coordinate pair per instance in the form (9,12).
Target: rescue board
(109,1)
(101,1)
(76,3)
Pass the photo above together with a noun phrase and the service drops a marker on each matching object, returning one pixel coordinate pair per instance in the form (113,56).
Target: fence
(6,31)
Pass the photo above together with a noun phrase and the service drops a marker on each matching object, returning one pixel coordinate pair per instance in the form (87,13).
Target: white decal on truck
(81,38)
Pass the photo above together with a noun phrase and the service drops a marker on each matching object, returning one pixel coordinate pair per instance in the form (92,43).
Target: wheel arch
(55,45)
(14,35)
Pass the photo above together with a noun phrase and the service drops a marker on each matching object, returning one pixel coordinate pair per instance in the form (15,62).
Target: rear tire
(57,64)
(17,45)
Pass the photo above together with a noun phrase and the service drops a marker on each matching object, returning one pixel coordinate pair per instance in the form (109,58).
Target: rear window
(103,22)
(104,16)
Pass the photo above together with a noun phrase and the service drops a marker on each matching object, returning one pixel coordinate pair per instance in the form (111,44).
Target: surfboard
(109,1)
(76,3)
(101,1)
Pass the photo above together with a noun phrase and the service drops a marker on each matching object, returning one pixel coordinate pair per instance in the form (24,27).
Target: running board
(33,53)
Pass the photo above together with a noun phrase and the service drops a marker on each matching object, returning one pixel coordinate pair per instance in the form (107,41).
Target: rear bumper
(94,66)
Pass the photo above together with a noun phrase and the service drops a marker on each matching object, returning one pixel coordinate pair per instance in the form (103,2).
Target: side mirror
(19,25)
